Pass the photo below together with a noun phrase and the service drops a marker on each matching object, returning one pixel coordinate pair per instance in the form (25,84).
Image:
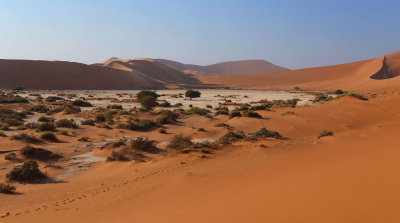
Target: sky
(292,33)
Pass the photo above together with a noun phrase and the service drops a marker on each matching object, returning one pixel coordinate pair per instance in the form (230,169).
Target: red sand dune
(378,74)
(225,68)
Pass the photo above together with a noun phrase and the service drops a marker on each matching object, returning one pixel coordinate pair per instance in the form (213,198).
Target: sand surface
(352,176)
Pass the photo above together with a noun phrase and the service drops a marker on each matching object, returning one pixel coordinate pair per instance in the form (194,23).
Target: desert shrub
(67,109)
(138,125)
(287,113)
(54,98)
(84,139)
(39,108)
(100,118)
(201,130)
(49,136)
(9,99)
(119,107)
(221,112)
(66,123)
(338,91)
(43,119)
(26,138)
(162,130)
(231,137)
(87,122)
(197,110)
(148,102)
(31,125)
(167,117)
(324,133)
(81,103)
(235,113)
(143,144)
(165,104)
(322,97)
(62,132)
(110,112)
(13,122)
(118,143)
(46,127)
(142,94)
(178,104)
(123,112)
(258,107)
(10,156)
(224,125)
(39,154)
(117,156)
(192,94)
(29,172)
(6,188)
(180,142)
(264,133)
(251,114)
(4,127)
(11,117)
(2,134)
(359,96)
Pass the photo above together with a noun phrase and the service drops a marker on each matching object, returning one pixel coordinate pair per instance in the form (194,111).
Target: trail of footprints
(59,205)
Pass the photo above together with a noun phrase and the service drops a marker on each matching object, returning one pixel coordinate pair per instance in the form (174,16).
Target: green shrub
(251,114)
(10,156)
(6,188)
(43,119)
(167,117)
(162,130)
(221,112)
(197,110)
(165,104)
(123,112)
(62,132)
(2,134)
(231,137)
(117,156)
(235,113)
(265,133)
(148,102)
(29,172)
(110,112)
(39,108)
(100,118)
(118,107)
(48,136)
(84,139)
(4,127)
(39,154)
(87,122)
(66,123)
(9,99)
(143,144)
(81,103)
(192,94)
(201,130)
(46,127)
(338,91)
(142,94)
(26,138)
(54,98)
(287,113)
(138,125)
(180,142)
(324,133)
(224,125)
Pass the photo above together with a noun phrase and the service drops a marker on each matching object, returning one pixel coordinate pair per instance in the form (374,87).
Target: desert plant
(251,114)
(142,94)
(100,118)
(10,156)
(84,139)
(231,137)
(26,138)
(9,99)
(324,133)
(48,136)
(287,113)
(192,94)
(180,142)
(148,102)
(29,172)
(4,127)
(167,117)
(143,144)
(87,122)
(234,113)
(81,103)
(39,108)
(6,188)
(119,107)
(43,119)
(117,156)
(162,130)
(46,127)
(39,154)
(2,134)
(264,133)
(66,123)
(197,110)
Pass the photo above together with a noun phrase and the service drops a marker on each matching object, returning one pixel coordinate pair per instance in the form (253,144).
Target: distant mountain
(240,67)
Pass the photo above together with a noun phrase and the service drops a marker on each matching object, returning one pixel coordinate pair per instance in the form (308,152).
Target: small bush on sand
(123,112)
(46,127)
(197,110)
(148,102)
(10,156)
(192,94)
(67,109)
(201,130)
(138,125)
(264,133)
(87,122)
(39,108)
(10,99)
(39,154)
(324,133)
(119,107)
(142,94)
(117,156)
(49,136)
(287,113)
(66,123)
(143,144)
(222,125)
(62,132)
(81,103)
(6,188)
(338,91)
(231,137)
(100,118)
(233,114)
(29,172)
(180,142)
(84,139)
(162,130)
(110,112)
(26,138)
(167,117)
(251,114)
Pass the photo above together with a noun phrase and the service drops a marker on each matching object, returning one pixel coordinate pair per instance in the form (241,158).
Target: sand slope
(225,68)
(68,75)
(370,75)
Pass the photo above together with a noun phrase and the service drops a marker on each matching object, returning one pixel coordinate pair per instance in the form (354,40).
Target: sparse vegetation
(251,114)
(167,117)
(162,130)
(197,110)
(66,123)
(46,127)
(88,122)
(143,144)
(231,137)
(10,156)
(287,113)
(29,172)
(192,94)
(81,103)
(84,139)
(6,188)
(26,138)
(39,154)
(49,136)
(117,156)
(10,99)
(324,133)
(180,142)
(234,113)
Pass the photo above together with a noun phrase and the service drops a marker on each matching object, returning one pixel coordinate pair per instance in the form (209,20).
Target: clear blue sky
(293,34)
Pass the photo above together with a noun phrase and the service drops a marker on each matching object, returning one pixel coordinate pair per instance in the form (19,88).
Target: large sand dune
(68,75)
(225,68)
(369,75)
